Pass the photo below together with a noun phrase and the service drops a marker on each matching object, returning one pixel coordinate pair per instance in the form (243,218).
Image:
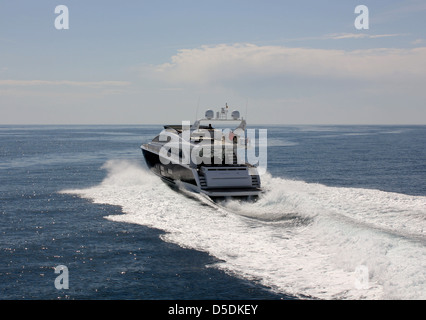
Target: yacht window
(156,139)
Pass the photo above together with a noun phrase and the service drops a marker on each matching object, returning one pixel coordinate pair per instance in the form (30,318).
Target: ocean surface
(343,217)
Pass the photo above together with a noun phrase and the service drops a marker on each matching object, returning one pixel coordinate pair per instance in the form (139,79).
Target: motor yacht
(206,157)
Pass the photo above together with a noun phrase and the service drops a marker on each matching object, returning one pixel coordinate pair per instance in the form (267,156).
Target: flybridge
(221,115)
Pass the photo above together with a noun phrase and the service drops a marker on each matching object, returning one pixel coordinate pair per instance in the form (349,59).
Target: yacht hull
(215,182)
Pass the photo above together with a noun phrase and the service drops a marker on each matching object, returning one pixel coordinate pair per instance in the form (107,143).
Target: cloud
(338,36)
(238,62)
(418,41)
(89,84)
(400,10)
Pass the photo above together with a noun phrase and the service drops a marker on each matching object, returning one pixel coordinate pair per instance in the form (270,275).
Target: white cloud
(90,84)
(221,63)
(300,85)
(418,41)
(338,36)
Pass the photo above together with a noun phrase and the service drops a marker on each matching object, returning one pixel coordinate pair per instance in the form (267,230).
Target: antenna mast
(196,111)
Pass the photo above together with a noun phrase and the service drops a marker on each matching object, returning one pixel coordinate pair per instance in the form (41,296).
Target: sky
(160,62)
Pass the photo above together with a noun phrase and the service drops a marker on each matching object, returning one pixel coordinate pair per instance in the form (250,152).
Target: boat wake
(299,238)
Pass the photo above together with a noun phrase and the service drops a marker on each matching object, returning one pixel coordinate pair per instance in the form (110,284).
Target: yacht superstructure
(205,159)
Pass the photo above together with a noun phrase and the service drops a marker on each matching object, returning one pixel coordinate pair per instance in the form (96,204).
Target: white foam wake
(299,238)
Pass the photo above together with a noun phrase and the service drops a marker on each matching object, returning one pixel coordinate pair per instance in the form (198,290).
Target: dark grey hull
(215,182)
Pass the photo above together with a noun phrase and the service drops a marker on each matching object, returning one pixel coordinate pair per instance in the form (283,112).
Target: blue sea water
(343,217)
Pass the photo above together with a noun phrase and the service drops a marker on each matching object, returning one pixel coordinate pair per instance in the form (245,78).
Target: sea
(343,217)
